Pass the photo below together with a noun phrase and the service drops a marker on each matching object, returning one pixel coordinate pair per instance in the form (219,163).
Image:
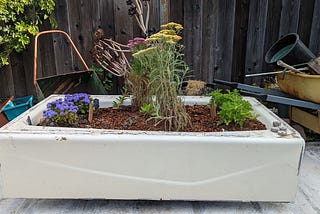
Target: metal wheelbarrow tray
(303,86)
(81,81)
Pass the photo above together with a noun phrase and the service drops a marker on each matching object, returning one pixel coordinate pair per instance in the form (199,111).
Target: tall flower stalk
(158,70)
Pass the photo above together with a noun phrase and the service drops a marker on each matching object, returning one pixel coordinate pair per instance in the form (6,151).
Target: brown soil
(128,118)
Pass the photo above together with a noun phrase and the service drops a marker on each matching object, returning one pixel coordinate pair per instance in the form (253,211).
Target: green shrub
(19,20)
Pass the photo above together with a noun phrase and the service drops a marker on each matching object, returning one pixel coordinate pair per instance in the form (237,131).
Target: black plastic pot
(290,49)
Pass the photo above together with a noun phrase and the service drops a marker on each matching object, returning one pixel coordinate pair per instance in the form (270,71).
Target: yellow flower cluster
(168,35)
(172,26)
(144,51)
(165,36)
(168,32)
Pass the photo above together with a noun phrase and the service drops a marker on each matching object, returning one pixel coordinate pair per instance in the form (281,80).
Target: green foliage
(106,77)
(231,107)
(148,110)
(19,20)
(120,100)
(139,83)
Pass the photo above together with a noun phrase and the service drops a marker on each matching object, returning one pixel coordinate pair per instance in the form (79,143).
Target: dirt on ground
(129,118)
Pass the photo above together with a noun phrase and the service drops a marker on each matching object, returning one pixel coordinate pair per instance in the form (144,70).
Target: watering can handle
(36,51)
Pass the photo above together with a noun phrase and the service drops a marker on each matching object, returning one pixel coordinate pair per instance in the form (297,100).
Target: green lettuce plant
(19,20)
(231,107)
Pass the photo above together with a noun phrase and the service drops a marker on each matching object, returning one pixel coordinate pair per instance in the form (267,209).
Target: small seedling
(148,110)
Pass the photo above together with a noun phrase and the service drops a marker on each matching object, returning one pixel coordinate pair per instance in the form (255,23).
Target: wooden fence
(223,39)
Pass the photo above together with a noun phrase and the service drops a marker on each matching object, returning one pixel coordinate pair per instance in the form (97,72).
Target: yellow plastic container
(303,86)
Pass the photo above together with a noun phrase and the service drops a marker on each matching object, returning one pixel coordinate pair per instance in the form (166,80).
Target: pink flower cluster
(136,41)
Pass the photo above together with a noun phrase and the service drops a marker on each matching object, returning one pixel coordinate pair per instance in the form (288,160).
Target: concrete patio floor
(307,200)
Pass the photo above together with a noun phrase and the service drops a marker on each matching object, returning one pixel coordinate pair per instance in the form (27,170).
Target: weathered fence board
(255,37)
(289,17)
(223,39)
(305,20)
(272,26)
(193,35)
(209,25)
(6,80)
(175,10)
(314,43)
(62,49)
(240,39)
(18,77)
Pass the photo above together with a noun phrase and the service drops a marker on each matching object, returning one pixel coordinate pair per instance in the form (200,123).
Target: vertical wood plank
(305,20)
(240,40)
(6,82)
(106,12)
(272,29)
(81,29)
(62,49)
(193,35)
(164,11)
(75,29)
(18,75)
(209,34)
(255,38)
(46,53)
(289,17)
(28,55)
(154,23)
(88,26)
(123,22)
(314,43)
(224,40)
(176,11)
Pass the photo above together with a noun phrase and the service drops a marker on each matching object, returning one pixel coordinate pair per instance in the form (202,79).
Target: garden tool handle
(36,51)
(5,103)
(284,65)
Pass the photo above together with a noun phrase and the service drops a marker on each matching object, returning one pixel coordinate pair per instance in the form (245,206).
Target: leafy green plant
(19,20)
(231,107)
(119,101)
(148,110)
(106,77)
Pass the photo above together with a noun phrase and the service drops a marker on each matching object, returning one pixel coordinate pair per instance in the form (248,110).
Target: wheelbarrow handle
(5,103)
(36,51)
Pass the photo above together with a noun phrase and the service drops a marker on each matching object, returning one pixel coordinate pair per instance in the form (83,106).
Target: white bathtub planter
(54,162)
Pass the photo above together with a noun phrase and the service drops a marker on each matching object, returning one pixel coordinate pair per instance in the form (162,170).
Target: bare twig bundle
(137,9)
(111,56)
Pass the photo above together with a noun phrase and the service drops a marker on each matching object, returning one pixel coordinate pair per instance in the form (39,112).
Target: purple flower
(49,114)
(63,112)
(86,100)
(96,103)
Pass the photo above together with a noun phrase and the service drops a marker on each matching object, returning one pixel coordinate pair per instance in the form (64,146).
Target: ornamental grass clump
(65,112)
(157,71)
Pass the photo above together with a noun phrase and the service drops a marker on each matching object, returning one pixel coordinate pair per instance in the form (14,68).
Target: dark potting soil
(129,118)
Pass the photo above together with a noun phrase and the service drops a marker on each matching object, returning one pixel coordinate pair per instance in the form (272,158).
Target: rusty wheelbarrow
(75,82)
